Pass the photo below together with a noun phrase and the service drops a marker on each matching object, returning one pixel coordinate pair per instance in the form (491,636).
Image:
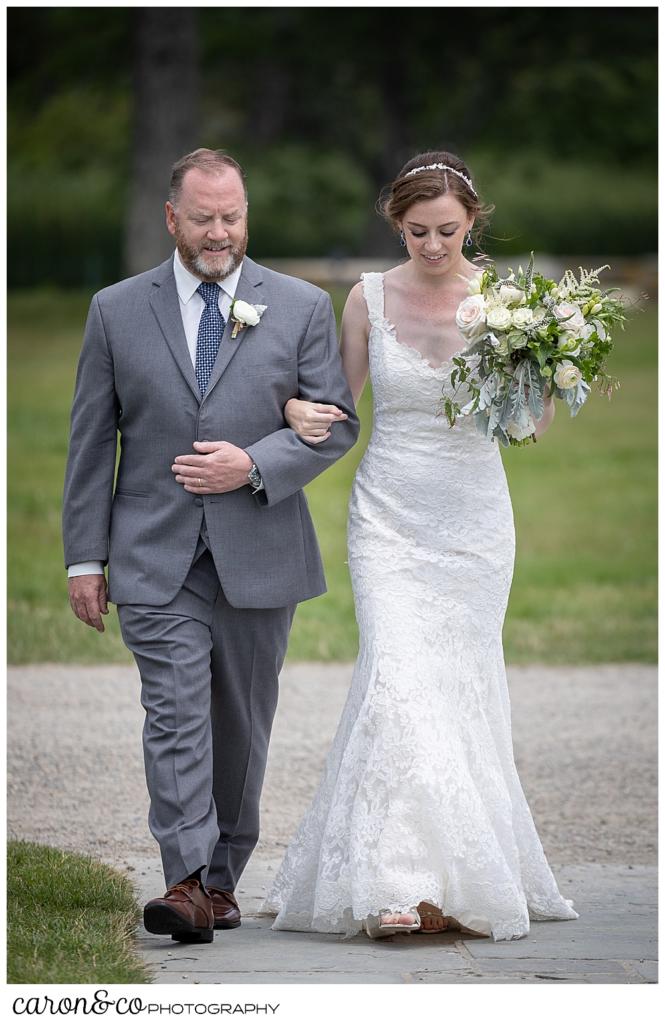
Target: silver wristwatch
(254,478)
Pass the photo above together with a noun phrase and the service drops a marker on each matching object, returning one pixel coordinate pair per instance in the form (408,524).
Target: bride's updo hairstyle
(420,179)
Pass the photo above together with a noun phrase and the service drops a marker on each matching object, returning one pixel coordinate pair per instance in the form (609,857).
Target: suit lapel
(249,290)
(166,307)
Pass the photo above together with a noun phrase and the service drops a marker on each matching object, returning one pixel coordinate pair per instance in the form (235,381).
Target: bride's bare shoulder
(355,308)
(355,300)
(396,274)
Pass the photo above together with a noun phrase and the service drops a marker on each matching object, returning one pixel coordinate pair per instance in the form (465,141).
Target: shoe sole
(224,925)
(165,921)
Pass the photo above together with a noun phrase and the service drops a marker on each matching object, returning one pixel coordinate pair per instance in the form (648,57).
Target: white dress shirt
(191,303)
(191,307)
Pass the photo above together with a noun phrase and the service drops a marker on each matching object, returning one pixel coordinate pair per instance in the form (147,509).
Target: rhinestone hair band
(442,167)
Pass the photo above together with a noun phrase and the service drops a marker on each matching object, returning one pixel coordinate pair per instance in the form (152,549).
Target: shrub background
(554,109)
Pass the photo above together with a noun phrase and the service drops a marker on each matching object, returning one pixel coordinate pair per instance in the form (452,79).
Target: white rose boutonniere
(243,314)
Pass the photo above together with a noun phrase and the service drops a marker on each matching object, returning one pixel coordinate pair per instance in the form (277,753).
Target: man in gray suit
(207,535)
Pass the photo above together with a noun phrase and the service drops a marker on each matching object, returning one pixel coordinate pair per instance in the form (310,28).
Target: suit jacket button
(198,501)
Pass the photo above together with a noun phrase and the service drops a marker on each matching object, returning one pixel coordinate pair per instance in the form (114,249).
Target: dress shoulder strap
(373,292)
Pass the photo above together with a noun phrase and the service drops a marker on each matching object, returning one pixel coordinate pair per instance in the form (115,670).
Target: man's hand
(87,597)
(217,467)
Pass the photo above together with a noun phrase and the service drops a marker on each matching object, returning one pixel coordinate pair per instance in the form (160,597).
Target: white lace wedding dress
(420,798)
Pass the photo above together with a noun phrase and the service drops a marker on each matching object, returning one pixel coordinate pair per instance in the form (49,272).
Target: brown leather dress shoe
(225,908)
(185,912)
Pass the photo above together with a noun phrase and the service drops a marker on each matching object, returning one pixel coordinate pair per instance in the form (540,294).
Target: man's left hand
(217,467)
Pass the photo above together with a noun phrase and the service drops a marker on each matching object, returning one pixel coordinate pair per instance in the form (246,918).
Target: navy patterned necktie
(211,328)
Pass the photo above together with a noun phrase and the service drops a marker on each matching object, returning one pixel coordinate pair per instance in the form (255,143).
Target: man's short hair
(210,160)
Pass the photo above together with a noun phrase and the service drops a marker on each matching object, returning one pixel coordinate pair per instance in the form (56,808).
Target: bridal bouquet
(530,337)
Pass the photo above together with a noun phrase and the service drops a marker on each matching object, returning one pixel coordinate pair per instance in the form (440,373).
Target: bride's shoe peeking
(432,918)
(390,923)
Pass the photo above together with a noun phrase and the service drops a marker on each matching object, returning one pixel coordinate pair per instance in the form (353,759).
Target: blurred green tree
(554,108)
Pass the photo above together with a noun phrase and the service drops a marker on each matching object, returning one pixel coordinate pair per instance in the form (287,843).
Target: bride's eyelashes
(421,234)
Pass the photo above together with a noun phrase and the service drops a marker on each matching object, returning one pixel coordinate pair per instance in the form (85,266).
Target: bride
(419,821)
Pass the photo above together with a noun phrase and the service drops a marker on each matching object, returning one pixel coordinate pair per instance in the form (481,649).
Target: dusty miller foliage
(502,377)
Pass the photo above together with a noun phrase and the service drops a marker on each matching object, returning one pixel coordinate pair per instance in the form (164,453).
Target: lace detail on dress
(374,292)
(420,798)
(372,285)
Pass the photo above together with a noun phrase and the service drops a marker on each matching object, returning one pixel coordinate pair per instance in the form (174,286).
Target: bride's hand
(312,420)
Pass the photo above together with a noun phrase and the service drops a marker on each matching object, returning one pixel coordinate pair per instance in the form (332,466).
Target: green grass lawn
(70,920)
(584,500)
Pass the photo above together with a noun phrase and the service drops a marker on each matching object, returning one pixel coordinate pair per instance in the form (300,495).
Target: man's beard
(208,268)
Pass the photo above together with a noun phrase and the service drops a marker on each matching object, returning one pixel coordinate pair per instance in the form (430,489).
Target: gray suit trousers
(209,675)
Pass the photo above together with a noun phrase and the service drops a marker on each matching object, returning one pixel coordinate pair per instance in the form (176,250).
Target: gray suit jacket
(136,381)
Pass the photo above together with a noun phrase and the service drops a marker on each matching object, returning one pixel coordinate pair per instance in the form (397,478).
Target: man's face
(209,222)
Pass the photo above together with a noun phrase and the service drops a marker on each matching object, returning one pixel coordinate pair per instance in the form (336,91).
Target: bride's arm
(353,345)
(313,420)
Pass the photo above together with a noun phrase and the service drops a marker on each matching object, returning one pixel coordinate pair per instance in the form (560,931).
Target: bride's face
(434,231)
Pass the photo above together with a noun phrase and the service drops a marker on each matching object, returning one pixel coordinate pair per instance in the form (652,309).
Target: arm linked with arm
(313,421)
(285,461)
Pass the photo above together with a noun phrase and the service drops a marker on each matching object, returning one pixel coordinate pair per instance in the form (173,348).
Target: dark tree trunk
(395,151)
(270,102)
(166,124)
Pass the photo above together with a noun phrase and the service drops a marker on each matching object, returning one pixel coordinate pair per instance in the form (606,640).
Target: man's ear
(170,217)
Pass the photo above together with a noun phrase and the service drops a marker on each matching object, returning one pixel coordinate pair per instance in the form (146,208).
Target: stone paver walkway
(585,741)
(613,941)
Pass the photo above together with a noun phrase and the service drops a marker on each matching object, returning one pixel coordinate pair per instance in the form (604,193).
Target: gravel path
(585,745)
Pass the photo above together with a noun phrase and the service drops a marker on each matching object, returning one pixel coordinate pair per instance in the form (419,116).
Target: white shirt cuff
(85,569)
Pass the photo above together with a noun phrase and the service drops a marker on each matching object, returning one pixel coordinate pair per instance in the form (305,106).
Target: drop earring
(468,240)
(402,238)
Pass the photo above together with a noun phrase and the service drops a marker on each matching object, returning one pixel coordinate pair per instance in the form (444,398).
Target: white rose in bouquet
(571,316)
(567,375)
(510,293)
(470,316)
(522,317)
(499,318)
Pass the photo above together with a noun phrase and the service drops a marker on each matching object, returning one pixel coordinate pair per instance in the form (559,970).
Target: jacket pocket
(269,371)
